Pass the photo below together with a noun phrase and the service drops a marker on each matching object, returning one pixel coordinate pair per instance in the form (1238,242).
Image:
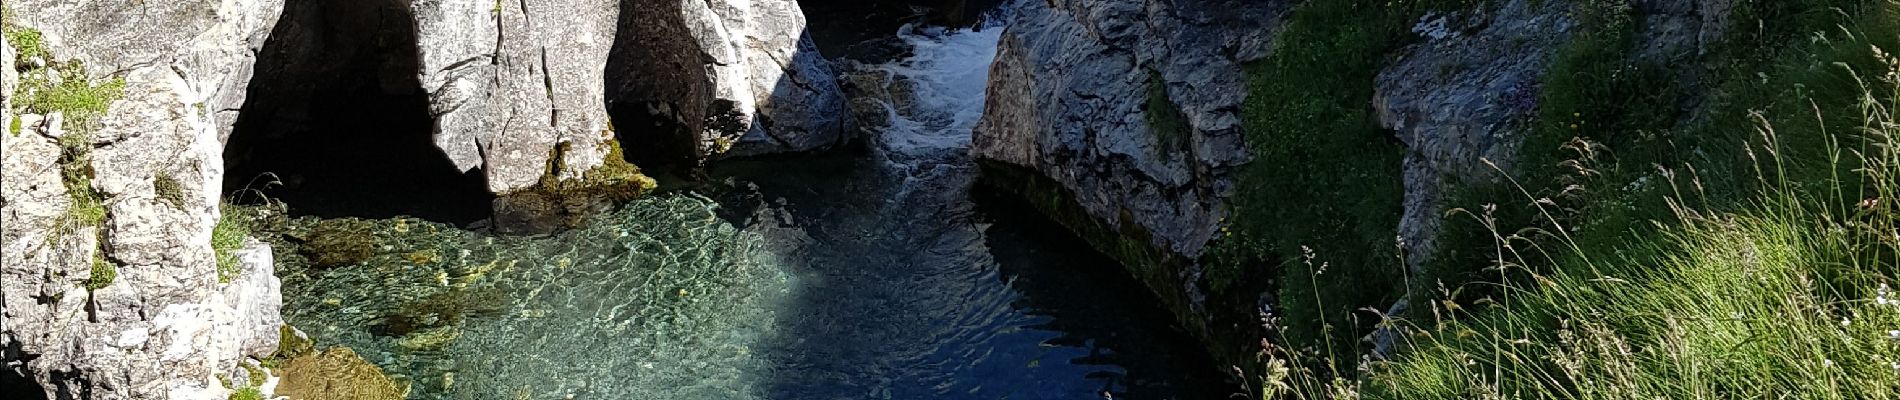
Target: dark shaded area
(335,123)
(16,382)
(657,93)
(849,28)
(917,292)
(1118,320)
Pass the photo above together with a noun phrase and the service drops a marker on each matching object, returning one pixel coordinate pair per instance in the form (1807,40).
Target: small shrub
(103,272)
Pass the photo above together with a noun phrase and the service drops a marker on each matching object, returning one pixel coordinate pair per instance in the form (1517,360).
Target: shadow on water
(337,118)
(929,295)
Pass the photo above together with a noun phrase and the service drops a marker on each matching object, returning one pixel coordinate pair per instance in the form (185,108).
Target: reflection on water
(844,276)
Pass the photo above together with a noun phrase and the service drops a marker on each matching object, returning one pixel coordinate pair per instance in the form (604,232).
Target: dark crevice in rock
(16,382)
(657,93)
(336,123)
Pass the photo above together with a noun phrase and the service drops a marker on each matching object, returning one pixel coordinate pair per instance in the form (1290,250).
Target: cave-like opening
(336,124)
(657,94)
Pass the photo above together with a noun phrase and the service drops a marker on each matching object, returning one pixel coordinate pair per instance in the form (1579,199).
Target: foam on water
(949,70)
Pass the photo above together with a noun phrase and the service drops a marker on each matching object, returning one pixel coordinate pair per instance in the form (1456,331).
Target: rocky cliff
(1122,119)
(111,169)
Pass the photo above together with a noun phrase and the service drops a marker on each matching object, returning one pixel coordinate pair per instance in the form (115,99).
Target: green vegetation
(26,41)
(234,224)
(567,201)
(1740,248)
(64,88)
(103,272)
(1318,146)
(247,393)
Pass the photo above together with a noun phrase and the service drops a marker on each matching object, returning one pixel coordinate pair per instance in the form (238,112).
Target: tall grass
(1748,255)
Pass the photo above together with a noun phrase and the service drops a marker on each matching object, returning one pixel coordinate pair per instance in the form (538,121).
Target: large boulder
(111,287)
(1121,119)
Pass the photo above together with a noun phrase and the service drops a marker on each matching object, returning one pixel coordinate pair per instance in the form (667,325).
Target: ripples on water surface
(842,276)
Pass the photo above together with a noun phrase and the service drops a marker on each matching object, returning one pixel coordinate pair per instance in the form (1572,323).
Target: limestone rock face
(161,326)
(508,81)
(793,94)
(749,82)
(1071,93)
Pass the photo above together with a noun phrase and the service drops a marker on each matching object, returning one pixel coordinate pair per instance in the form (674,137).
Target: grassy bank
(1726,233)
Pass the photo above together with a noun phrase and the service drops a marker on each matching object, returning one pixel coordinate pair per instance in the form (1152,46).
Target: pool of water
(877,273)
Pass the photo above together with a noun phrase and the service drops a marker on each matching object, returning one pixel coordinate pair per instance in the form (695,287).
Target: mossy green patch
(167,190)
(103,273)
(247,393)
(70,93)
(26,41)
(564,203)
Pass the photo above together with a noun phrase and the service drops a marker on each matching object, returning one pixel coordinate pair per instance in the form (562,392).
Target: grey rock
(508,81)
(160,330)
(1461,97)
(1068,98)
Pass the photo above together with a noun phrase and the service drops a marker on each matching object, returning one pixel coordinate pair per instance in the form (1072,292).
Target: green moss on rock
(555,203)
(103,273)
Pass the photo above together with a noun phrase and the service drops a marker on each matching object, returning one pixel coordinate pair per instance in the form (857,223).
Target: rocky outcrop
(750,82)
(1133,105)
(111,286)
(1121,119)
(508,81)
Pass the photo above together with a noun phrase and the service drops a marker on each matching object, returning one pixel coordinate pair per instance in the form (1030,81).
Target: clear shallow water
(877,275)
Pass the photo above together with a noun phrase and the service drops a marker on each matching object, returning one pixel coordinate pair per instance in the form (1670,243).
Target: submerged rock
(337,373)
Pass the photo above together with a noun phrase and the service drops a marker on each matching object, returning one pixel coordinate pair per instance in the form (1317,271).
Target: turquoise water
(658,300)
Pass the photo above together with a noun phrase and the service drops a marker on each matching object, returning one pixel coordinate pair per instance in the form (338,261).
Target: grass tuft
(234,225)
